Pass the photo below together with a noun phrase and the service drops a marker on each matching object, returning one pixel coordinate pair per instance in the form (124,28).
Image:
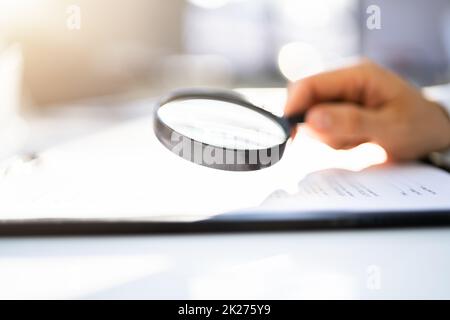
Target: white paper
(393,187)
(125,173)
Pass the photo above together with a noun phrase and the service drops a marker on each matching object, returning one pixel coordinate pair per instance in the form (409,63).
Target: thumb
(342,125)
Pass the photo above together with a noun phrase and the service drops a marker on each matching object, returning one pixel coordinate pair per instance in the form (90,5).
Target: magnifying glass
(221,129)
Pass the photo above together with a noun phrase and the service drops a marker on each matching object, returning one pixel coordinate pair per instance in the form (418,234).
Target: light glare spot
(298,60)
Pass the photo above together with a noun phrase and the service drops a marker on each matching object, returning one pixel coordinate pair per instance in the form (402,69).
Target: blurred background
(73,50)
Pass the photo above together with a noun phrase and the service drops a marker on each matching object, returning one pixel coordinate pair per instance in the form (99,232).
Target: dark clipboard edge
(222,224)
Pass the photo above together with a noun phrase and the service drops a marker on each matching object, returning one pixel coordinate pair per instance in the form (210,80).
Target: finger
(294,132)
(340,85)
(342,126)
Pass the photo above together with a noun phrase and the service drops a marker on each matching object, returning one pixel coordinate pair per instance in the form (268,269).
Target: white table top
(350,264)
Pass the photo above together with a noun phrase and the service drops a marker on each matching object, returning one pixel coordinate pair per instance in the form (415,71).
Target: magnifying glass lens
(221,130)
(222,124)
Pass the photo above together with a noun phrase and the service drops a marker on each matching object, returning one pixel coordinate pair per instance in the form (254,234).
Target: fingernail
(320,120)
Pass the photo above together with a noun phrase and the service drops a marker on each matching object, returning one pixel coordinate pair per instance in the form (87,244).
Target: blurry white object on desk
(13,130)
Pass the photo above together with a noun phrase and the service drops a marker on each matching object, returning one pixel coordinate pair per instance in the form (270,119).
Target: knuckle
(304,83)
(368,64)
(371,68)
(299,87)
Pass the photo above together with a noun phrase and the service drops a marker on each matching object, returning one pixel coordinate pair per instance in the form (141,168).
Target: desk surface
(341,264)
(357,264)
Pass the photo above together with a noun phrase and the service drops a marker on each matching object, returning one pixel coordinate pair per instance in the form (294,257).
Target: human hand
(366,103)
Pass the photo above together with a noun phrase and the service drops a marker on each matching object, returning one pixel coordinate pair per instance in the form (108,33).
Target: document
(388,187)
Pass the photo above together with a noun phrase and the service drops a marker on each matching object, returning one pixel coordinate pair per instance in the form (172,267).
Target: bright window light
(298,60)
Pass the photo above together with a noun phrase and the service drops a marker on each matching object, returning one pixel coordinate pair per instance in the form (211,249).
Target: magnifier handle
(296,119)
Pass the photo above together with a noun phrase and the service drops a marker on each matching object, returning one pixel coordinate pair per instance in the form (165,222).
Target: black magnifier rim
(164,133)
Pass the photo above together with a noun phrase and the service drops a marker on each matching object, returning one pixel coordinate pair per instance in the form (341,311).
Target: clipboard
(122,181)
(230,224)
